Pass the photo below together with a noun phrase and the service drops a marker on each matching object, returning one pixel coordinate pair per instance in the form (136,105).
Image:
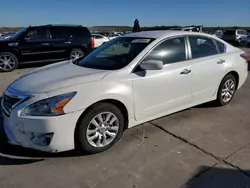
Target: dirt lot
(202,147)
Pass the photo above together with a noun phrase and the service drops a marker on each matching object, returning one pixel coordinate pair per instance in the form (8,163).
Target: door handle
(45,44)
(185,71)
(67,42)
(221,61)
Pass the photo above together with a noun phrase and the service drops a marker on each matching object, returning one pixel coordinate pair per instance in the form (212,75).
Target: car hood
(56,76)
(6,40)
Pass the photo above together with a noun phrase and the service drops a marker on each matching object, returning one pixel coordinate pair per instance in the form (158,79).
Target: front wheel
(8,62)
(226,90)
(100,128)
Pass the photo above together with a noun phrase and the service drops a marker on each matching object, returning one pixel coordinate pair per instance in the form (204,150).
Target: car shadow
(211,104)
(216,177)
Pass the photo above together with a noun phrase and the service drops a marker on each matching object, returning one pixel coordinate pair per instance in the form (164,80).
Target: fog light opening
(42,139)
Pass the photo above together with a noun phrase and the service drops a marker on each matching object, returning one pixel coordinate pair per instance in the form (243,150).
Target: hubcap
(76,54)
(102,129)
(7,62)
(228,90)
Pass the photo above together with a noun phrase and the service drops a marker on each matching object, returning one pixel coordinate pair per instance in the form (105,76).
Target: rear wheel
(76,53)
(8,62)
(100,128)
(226,90)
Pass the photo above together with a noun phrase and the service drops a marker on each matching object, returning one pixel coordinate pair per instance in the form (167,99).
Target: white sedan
(99,40)
(89,102)
(113,36)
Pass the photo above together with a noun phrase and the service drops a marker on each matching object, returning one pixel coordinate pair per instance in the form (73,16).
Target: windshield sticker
(140,41)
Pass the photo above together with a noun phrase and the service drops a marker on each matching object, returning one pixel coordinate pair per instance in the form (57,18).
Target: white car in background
(113,36)
(87,103)
(99,39)
(188,28)
(218,33)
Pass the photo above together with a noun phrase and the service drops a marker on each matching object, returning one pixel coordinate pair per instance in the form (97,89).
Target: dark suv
(49,43)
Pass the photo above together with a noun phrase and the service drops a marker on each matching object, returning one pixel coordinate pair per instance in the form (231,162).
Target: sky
(123,12)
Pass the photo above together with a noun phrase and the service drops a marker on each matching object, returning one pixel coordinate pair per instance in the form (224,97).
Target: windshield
(18,33)
(115,54)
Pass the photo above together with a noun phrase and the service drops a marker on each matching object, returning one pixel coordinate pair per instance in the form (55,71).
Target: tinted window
(114,54)
(241,32)
(202,46)
(229,32)
(169,51)
(58,33)
(221,46)
(37,34)
(80,32)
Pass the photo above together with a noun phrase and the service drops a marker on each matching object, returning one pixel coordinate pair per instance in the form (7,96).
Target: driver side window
(169,51)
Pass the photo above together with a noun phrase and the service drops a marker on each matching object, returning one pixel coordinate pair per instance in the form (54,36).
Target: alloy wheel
(76,54)
(228,90)
(7,62)
(102,129)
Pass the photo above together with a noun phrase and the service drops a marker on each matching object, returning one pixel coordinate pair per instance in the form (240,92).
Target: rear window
(221,46)
(80,32)
(229,32)
(241,32)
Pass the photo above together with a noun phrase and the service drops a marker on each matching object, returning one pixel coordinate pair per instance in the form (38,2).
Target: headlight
(49,107)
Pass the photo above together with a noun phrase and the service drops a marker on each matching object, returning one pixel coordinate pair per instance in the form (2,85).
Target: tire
(223,92)
(76,53)
(8,62)
(86,130)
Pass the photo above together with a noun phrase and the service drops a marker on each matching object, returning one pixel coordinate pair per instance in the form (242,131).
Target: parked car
(88,103)
(113,36)
(99,39)
(7,35)
(218,33)
(248,37)
(44,44)
(188,28)
(235,36)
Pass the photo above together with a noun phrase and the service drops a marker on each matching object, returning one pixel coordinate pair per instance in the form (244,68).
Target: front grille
(11,99)
(9,102)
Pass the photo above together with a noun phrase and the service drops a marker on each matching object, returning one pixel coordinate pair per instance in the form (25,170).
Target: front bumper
(50,134)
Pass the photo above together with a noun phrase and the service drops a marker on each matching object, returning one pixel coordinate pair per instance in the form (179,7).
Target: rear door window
(58,33)
(202,46)
(80,32)
(221,46)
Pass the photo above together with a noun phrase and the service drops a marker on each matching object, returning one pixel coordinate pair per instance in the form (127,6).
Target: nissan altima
(88,103)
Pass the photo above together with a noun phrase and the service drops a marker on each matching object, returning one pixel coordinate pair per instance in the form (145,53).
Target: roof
(56,25)
(162,33)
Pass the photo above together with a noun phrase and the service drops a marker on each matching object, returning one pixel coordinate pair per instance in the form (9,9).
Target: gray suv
(238,36)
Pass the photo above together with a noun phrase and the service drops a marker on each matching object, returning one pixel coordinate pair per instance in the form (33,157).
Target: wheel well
(236,76)
(12,52)
(117,103)
(78,47)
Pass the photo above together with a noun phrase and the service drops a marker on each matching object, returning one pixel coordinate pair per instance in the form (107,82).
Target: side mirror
(151,65)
